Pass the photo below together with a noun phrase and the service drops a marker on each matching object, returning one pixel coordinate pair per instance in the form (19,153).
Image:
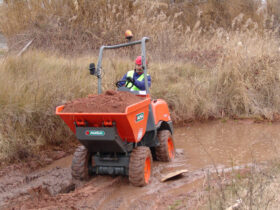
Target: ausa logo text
(95,133)
(139,116)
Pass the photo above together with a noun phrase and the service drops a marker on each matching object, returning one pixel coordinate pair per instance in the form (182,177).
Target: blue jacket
(140,85)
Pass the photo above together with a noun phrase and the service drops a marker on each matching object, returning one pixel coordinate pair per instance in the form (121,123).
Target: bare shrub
(79,26)
(253,187)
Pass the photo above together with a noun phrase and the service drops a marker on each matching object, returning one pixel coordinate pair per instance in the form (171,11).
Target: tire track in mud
(97,189)
(55,189)
(38,196)
(16,185)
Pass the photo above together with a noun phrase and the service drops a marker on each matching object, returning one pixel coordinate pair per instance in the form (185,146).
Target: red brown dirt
(111,101)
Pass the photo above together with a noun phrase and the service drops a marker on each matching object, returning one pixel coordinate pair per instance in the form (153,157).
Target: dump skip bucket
(131,125)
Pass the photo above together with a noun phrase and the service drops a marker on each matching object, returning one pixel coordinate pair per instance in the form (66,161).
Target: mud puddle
(201,149)
(229,144)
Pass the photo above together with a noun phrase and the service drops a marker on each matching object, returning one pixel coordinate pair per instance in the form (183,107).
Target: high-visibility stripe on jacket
(140,79)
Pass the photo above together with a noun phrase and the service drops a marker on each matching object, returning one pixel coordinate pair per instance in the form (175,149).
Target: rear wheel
(80,163)
(140,166)
(166,150)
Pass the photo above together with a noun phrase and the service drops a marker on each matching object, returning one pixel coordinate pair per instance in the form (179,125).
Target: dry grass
(249,188)
(227,74)
(79,26)
(31,87)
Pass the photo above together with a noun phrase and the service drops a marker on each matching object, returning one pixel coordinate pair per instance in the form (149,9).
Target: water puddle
(229,144)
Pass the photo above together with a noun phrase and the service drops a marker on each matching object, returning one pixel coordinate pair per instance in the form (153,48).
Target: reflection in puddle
(231,143)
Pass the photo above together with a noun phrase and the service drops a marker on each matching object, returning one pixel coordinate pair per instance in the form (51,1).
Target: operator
(134,79)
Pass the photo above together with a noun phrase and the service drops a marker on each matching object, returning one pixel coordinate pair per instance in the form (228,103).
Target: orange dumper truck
(124,143)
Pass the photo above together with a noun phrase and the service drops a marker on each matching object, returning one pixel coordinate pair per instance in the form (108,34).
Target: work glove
(129,79)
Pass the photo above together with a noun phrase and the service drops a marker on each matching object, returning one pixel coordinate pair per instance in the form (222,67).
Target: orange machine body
(131,125)
(160,111)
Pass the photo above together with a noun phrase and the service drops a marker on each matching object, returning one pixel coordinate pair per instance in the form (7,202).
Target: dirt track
(199,148)
(54,189)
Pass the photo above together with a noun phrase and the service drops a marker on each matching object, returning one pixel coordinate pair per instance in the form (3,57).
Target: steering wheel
(119,84)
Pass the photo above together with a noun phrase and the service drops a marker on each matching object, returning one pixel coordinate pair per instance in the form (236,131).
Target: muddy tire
(140,166)
(166,150)
(80,163)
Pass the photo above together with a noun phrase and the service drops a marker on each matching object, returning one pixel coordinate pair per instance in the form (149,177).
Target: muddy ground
(201,149)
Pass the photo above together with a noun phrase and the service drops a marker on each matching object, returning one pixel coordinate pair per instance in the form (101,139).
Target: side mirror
(92,68)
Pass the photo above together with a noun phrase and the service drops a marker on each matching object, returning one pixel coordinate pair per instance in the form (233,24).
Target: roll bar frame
(143,55)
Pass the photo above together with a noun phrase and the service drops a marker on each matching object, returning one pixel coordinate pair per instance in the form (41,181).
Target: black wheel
(140,166)
(80,163)
(166,150)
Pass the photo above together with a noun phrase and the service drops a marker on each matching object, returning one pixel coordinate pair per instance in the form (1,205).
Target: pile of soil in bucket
(112,101)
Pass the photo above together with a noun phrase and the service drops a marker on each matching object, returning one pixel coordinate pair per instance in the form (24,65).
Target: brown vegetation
(254,187)
(79,26)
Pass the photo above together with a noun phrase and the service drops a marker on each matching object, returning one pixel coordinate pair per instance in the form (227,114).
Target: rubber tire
(162,152)
(137,166)
(80,163)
